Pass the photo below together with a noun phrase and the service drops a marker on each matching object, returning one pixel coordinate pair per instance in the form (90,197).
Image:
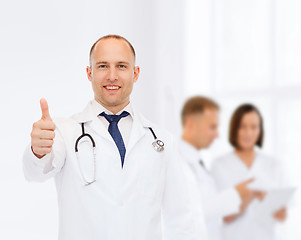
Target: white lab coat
(228,171)
(208,201)
(145,200)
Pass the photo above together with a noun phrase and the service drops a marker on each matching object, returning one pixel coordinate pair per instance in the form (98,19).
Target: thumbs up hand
(42,133)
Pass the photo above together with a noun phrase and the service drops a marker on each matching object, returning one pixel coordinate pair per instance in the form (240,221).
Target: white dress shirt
(124,124)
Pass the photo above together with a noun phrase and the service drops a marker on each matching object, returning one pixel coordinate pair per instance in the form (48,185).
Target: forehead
(111,50)
(209,114)
(250,117)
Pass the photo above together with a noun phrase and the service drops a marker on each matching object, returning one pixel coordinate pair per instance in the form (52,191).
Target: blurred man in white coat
(115,179)
(200,128)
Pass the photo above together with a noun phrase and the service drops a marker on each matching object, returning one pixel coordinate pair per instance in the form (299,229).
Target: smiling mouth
(110,87)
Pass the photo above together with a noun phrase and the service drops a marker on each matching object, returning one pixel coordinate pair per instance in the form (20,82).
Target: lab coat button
(121,204)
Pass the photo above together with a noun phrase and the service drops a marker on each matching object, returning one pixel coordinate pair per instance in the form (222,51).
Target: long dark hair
(236,120)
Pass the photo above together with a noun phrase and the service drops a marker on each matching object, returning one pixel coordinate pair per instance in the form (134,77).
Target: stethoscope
(157,144)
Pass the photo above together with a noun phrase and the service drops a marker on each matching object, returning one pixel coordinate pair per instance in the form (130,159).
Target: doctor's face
(205,128)
(112,73)
(249,131)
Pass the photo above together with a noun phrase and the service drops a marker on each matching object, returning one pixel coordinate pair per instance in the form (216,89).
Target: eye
(122,66)
(102,66)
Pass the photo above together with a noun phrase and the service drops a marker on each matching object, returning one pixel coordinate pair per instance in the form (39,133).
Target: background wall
(248,51)
(231,50)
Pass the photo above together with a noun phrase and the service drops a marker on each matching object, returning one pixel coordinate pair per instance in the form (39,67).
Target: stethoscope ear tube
(84,135)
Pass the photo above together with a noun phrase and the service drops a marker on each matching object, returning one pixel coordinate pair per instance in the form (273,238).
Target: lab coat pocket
(151,178)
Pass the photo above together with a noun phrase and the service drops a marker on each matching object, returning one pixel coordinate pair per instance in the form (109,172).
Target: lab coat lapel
(138,131)
(88,117)
(100,129)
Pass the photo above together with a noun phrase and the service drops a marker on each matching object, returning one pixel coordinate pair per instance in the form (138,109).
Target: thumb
(45,110)
(245,183)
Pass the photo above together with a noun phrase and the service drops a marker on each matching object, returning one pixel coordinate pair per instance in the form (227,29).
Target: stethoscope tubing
(158,145)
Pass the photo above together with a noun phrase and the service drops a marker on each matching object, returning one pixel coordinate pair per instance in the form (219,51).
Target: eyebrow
(101,62)
(104,62)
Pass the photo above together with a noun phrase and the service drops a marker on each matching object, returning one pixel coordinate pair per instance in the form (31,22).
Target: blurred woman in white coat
(246,132)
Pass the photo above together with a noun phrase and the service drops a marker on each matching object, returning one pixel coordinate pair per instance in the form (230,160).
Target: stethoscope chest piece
(158,145)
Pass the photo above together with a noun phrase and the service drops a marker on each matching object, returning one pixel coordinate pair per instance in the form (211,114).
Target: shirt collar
(98,108)
(190,153)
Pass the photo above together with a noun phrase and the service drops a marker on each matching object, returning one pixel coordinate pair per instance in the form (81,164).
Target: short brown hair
(115,37)
(236,120)
(197,104)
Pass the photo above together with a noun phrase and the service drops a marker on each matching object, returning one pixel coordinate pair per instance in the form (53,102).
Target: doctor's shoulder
(269,161)
(66,127)
(159,132)
(266,157)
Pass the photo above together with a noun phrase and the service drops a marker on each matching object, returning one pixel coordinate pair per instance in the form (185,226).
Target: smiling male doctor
(138,192)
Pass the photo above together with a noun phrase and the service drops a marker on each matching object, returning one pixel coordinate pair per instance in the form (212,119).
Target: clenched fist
(42,133)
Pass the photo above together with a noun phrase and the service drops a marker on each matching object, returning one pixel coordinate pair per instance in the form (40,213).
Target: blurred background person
(246,160)
(200,119)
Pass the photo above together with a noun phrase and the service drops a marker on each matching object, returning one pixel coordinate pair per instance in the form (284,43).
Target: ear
(189,121)
(89,73)
(136,73)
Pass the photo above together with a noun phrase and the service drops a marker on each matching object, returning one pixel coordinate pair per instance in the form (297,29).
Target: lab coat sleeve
(178,221)
(223,203)
(39,170)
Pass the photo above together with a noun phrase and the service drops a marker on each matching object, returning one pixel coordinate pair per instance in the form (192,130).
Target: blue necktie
(115,133)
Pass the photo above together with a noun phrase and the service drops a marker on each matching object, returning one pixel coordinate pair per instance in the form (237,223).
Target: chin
(246,147)
(206,147)
(111,102)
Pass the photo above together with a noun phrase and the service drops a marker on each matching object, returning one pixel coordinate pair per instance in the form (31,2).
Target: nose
(113,76)
(249,132)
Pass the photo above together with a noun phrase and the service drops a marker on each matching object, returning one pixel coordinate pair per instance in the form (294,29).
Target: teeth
(112,87)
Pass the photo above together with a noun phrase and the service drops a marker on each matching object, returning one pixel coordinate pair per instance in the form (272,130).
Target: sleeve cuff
(45,162)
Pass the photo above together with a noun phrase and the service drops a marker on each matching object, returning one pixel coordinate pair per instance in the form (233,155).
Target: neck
(186,137)
(246,155)
(114,109)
